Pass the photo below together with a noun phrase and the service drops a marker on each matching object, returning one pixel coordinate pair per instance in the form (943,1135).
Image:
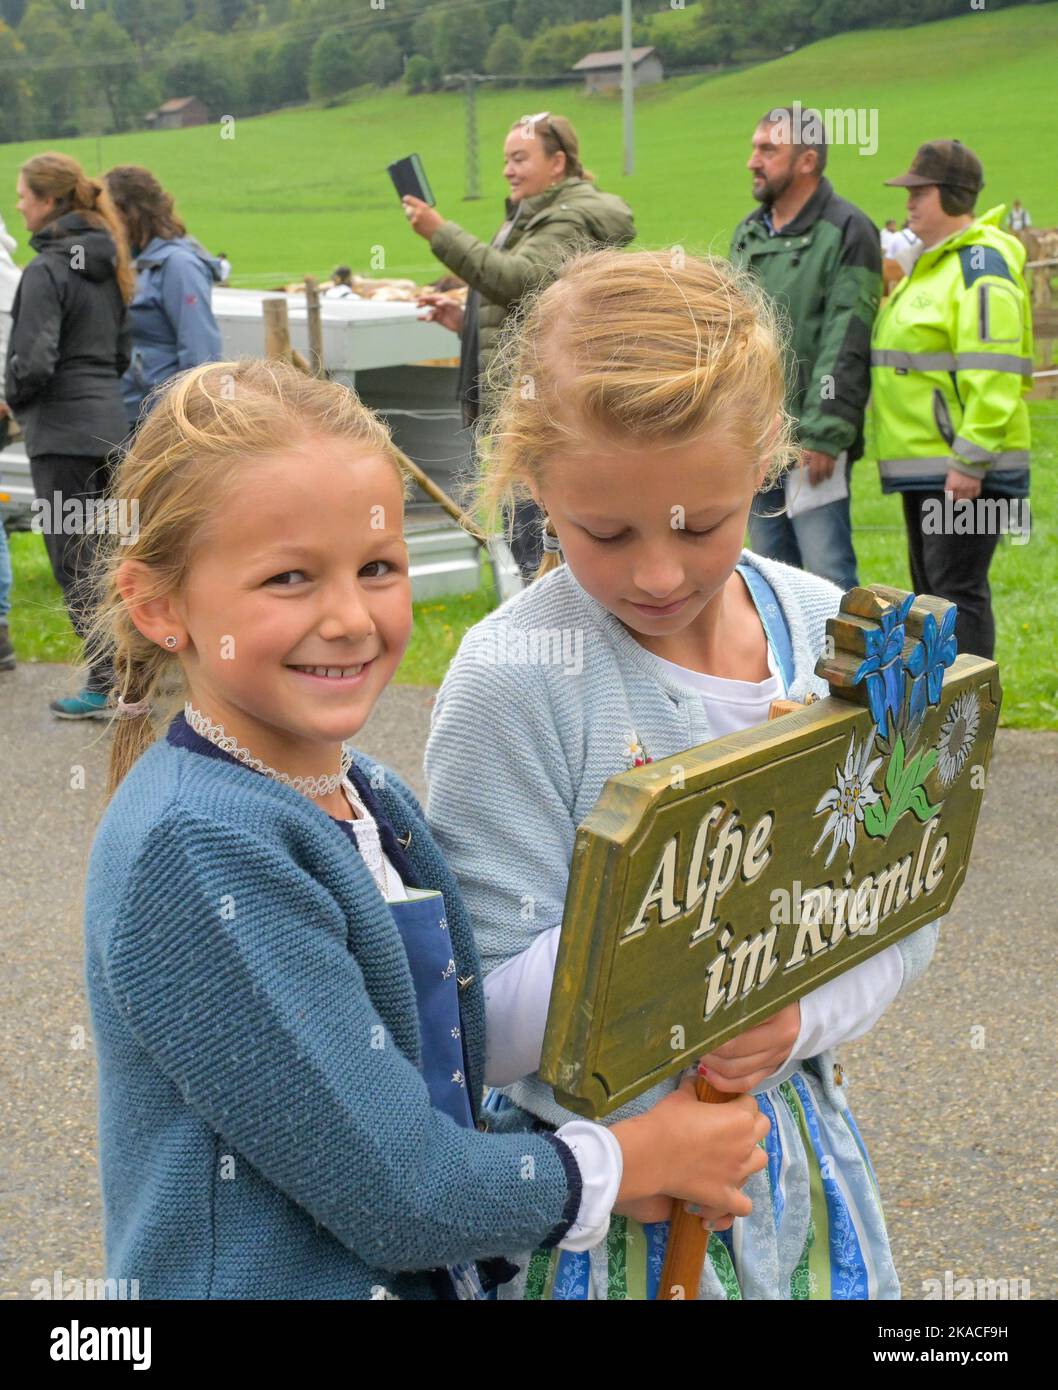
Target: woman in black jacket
(68,349)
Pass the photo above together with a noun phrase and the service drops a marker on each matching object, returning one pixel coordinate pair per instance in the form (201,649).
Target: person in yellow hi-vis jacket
(951,361)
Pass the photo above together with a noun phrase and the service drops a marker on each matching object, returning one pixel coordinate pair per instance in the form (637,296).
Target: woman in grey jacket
(554,209)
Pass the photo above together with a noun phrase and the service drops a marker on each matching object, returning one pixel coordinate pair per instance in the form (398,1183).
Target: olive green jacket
(545,229)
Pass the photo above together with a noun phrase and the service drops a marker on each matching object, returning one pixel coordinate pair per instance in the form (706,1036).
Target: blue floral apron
(424,931)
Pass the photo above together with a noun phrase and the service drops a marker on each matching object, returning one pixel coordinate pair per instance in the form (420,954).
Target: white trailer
(378,349)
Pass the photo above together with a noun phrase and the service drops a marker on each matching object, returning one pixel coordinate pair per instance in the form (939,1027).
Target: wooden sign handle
(688,1239)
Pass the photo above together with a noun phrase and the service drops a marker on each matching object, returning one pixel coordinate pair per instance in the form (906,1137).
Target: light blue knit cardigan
(264,1129)
(520,748)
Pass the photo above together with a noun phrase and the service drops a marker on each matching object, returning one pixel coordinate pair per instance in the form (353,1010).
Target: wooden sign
(710,889)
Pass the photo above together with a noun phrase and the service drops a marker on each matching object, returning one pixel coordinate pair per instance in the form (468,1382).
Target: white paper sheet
(801,496)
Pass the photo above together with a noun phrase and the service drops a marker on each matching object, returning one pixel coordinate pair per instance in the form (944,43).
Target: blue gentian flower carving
(936,650)
(883,669)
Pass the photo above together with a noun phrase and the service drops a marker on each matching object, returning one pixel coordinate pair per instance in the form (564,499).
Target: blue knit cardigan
(264,1129)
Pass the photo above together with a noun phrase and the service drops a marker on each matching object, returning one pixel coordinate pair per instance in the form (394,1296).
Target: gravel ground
(947,1088)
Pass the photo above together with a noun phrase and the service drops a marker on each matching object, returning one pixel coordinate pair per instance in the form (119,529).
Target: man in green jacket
(819,258)
(554,210)
(951,361)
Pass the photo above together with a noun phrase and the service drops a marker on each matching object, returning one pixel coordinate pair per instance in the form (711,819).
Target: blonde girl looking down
(643,411)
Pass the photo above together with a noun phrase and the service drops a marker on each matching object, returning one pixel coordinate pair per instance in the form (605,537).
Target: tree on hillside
(421,75)
(381,61)
(506,52)
(530,16)
(258,66)
(208,75)
(424,35)
(557,49)
(305,13)
(149,22)
(773,25)
(52,78)
(722,28)
(462,38)
(220,16)
(288,71)
(334,66)
(15,107)
(112,57)
(836,16)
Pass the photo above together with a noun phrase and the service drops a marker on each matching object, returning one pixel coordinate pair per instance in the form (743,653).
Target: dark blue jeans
(819,541)
(5,574)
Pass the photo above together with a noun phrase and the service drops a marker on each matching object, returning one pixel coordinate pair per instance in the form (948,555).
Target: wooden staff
(688,1239)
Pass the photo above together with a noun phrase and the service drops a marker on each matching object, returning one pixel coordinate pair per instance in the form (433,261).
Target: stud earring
(170,642)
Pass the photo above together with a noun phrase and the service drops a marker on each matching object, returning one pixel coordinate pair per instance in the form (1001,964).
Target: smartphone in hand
(409,176)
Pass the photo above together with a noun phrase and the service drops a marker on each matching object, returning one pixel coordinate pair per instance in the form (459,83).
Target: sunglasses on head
(544,117)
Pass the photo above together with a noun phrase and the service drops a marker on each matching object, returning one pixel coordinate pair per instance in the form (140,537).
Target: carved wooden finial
(873,641)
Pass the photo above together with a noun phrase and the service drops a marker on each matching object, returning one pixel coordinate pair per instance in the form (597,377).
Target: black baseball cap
(946,162)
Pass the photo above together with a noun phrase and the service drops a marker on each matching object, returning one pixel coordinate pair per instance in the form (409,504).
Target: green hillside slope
(298,191)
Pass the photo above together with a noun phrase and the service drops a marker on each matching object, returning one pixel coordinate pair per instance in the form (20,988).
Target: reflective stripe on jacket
(951,361)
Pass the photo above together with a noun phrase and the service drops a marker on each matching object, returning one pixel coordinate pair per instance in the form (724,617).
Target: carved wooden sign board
(710,889)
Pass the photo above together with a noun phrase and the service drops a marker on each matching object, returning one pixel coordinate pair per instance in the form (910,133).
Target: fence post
(315,324)
(276,326)
(277,333)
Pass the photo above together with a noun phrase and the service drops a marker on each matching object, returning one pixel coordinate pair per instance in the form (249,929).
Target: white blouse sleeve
(517,995)
(601,1163)
(846,1008)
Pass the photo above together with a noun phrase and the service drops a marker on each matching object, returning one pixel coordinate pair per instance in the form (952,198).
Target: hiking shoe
(86,704)
(7,651)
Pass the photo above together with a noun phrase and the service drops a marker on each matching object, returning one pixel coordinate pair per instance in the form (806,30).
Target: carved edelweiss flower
(635,752)
(957,733)
(847,800)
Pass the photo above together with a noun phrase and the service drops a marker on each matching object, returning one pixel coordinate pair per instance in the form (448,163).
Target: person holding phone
(553,210)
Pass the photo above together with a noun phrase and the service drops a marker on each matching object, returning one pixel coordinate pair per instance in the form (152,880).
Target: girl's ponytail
(551,559)
(133,732)
(87,191)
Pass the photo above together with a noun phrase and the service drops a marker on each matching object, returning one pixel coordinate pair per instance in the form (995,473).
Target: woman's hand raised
(447,312)
(422,218)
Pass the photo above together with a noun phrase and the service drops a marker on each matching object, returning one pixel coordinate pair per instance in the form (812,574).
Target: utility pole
(626,85)
(470,94)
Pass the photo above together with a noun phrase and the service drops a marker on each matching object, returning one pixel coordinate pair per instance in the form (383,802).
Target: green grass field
(300,191)
(1024,581)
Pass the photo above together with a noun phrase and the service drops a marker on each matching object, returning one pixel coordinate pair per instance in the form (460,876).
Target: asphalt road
(954,1090)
